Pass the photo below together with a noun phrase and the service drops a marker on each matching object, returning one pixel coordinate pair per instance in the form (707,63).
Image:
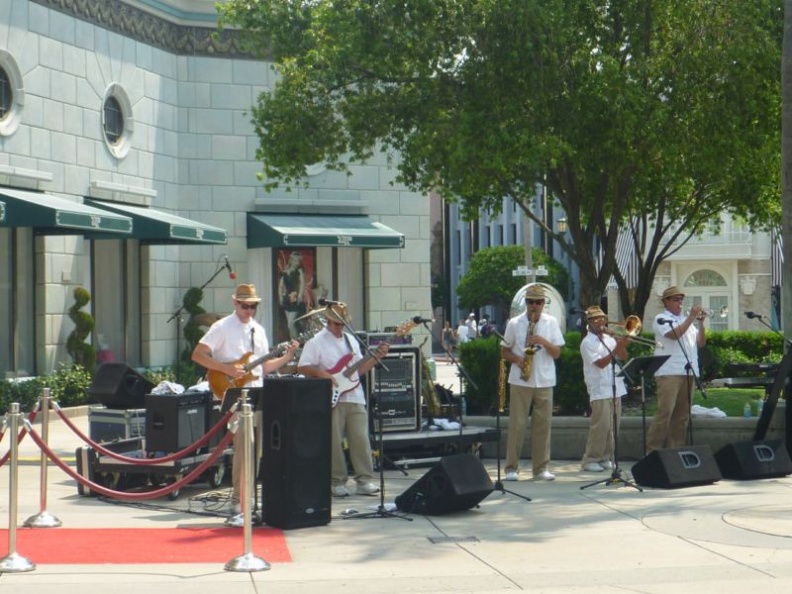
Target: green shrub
(481,359)
(81,352)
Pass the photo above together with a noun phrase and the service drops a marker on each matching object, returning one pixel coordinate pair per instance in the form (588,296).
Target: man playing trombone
(680,338)
(598,349)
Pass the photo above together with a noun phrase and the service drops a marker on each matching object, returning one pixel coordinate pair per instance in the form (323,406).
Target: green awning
(157,227)
(50,214)
(278,230)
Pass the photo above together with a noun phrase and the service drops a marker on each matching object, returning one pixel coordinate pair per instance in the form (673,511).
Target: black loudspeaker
(748,460)
(456,483)
(673,468)
(174,422)
(116,385)
(295,460)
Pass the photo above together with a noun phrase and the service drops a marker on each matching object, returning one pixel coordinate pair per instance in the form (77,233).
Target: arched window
(708,288)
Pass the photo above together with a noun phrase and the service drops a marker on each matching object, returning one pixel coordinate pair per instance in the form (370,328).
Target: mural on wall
(294,284)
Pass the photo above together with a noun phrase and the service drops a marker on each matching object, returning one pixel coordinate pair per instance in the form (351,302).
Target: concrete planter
(570,433)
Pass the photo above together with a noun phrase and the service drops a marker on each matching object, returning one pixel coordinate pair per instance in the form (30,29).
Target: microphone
(665,321)
(326,302)
(753,316)
(577,311)
(420,320)
(231,273)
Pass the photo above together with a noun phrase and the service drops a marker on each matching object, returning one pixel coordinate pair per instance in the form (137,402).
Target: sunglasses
(247,306)
(675,299)
(534,301)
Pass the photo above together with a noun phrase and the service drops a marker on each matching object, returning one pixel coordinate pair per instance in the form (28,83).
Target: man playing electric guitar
(333,349)
(227,342)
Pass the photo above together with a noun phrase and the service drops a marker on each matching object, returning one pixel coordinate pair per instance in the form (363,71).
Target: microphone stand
(380,512)
(498,486)
(689,372)
(616,477)
(177,316)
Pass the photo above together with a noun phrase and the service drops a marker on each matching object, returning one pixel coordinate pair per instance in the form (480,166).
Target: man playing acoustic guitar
(230,342)
(327,355)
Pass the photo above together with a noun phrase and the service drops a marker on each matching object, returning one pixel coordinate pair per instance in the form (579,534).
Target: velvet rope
(100,489)
(20,437)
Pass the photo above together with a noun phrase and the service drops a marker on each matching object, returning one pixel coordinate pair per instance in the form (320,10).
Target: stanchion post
(247,561)
(44,519)
(14,562)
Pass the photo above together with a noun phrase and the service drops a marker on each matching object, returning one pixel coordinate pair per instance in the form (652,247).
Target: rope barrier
(20,437)
(102,490)
(147,461)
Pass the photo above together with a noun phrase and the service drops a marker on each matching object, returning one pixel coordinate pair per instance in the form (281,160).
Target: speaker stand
(381,511)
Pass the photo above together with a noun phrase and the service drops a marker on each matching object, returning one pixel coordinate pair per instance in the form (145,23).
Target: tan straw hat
(535,292)
(672,291)
(595,312)
(337,312)
(246,294)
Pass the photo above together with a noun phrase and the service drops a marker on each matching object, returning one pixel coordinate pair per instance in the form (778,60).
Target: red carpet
(144,545)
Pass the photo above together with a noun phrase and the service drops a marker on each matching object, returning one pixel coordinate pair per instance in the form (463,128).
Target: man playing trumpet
(680,338)
(531,343)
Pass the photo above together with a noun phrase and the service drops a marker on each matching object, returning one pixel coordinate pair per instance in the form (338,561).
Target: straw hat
(246,294)
(671,291)
(337,312)
(595,312)
(535,292)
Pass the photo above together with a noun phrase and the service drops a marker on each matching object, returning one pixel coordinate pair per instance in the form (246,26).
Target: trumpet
(631,328)
(709,313)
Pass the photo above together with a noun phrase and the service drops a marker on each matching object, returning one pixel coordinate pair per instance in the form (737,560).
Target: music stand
(641,367)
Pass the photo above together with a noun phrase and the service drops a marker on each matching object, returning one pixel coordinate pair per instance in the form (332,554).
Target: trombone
(631,327)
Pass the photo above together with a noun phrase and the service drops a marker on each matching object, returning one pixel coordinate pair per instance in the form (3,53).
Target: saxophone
(529,351)
(502,375)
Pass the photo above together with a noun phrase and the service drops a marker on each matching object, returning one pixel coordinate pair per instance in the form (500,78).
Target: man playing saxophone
(531,343)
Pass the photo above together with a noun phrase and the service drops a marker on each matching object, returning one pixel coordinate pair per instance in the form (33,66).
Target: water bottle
(463,406)
(747,410)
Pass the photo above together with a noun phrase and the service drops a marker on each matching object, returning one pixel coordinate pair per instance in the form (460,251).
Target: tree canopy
(655,117)
(489,279)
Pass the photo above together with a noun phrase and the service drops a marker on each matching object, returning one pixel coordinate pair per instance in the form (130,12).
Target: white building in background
(127,166)
(732,271)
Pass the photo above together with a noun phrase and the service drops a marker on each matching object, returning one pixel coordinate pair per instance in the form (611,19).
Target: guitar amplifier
(394,390)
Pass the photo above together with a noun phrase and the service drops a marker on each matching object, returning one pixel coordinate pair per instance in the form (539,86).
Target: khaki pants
(600,442)
(350,420)
(522,399)
(669,427)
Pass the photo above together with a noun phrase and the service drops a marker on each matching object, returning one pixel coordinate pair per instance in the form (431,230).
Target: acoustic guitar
(342,373)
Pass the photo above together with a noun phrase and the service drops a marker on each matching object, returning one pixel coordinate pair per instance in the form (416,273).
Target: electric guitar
(219,382)
(342,373)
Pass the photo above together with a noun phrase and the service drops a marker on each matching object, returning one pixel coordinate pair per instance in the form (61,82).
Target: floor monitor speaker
(117,385)
(673,468)
(748,460)
(456,483)
(295,460)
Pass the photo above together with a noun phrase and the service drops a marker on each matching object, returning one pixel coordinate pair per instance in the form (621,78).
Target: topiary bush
(81,352)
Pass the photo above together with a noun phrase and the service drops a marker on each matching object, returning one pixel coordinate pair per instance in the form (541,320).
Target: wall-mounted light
(561,224)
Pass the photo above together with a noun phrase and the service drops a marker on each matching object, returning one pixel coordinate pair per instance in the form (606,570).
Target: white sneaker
(511,476)
(545,475)
(606,464)
(592,467)
(367,489)
(339,491)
